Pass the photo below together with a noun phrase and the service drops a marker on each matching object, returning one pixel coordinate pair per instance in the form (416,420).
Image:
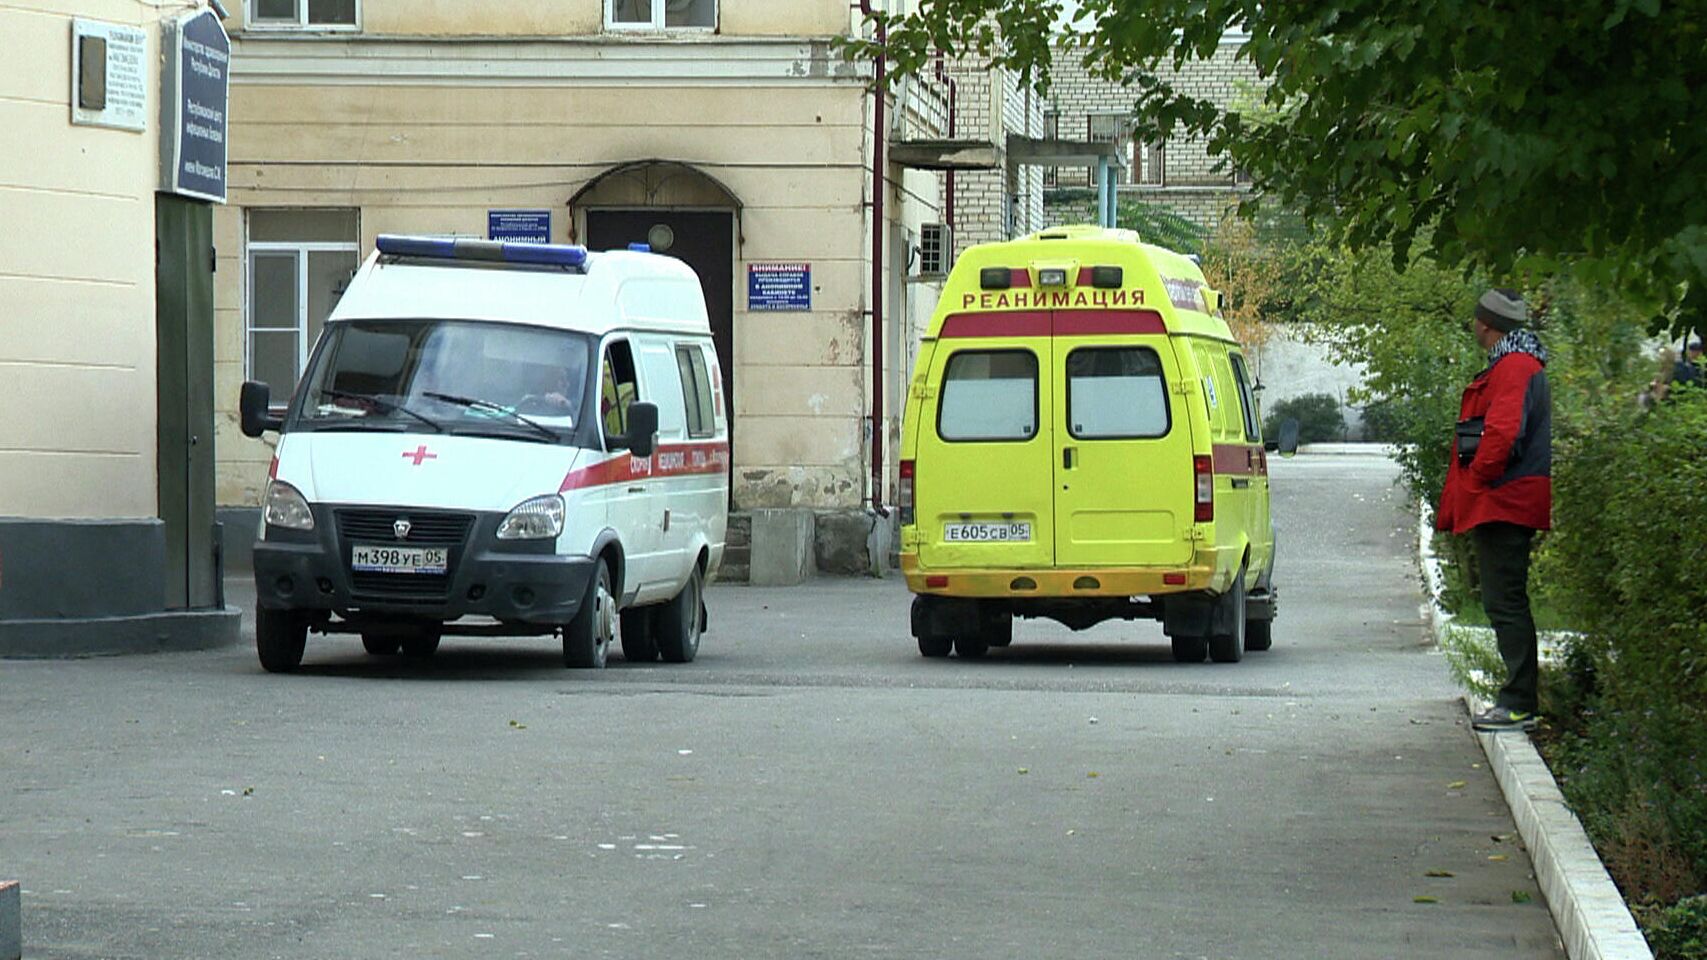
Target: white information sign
(127,75)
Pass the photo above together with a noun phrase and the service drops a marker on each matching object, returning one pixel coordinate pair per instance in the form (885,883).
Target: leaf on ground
(248,791)
(1499,858)
(1093,775)
(517,726)
(1024,770)
(1425,899)
(1439,873)
(1520,896)
(1456,785)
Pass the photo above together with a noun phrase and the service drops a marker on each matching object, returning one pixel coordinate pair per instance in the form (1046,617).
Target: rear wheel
(934,646)
(998,628)
(971,647)
(586,639)
(679,622)
(1228,646)
(280,637)
(380,644)
(639,641)
(1259,635)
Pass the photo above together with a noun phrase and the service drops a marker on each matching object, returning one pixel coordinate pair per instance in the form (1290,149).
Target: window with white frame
(303,14)
(297,266)
(1112,128)
(1149,165)
(661,14)
(1051,131)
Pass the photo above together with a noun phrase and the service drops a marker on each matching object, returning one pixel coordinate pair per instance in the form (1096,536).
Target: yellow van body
(1082,442)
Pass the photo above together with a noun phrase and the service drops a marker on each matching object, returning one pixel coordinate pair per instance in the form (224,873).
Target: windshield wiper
(488,405)
(381,404)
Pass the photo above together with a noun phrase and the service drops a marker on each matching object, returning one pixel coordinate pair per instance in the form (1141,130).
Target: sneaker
(1497,719)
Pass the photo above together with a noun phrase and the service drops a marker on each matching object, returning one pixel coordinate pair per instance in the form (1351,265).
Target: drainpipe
(879,135)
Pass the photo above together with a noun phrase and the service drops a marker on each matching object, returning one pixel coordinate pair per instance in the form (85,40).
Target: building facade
(726,132)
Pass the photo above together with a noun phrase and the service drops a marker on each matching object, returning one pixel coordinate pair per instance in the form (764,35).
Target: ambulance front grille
(426,529)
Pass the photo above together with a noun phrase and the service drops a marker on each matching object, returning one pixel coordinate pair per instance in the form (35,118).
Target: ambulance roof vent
(484,251)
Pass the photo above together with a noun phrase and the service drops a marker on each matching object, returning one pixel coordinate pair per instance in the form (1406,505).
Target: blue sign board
(779,286)
(198,87)
(519,226)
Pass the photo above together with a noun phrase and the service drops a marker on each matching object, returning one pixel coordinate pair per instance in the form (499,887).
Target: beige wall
(574,18)
(77,348)
(435,157)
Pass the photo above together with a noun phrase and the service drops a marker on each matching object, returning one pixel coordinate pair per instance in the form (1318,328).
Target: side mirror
(1288,436)
(253,404)
(642,429)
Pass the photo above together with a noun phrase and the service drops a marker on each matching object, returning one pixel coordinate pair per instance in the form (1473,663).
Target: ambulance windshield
(456,376)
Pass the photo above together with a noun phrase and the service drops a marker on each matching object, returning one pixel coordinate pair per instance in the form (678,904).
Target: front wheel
(1190,649)
(679,622)
(586,640)
(380,644)
(422,644)
(1228,645)
(1259,635)
(280,637)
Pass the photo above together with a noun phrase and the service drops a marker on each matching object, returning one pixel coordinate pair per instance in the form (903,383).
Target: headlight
(537,519)
(284,507)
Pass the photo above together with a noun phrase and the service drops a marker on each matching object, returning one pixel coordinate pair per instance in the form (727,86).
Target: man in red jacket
(1499,489)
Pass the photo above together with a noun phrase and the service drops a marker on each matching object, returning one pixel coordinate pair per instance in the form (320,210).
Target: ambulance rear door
(984,449)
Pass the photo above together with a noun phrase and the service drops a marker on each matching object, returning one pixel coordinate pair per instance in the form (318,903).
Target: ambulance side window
(618,387)
(696,391)
(1247,399)
(1116,393)
(989,395)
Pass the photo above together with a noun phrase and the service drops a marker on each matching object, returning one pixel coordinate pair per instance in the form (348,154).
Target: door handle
(636,489)
(1240,483)
(1066,458)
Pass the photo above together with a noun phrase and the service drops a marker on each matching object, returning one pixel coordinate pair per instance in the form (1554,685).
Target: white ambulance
(496,439)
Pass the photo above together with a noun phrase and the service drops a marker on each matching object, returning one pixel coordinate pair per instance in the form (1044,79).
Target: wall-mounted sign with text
(109,75)
(519,226)
(193,130)
(779,287)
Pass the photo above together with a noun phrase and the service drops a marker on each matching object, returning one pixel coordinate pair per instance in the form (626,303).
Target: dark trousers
(1503,552)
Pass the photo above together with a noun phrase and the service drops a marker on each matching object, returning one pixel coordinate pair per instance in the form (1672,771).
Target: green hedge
(1627,561)
(1318,415)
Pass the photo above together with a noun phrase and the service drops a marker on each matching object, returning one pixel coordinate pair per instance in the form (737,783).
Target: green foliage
(1679,932)
(1318,415)
(1504,136)
(1627,561)
(1160,226)
(1380,425)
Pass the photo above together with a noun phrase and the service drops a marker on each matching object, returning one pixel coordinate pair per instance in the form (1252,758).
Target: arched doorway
(680,211)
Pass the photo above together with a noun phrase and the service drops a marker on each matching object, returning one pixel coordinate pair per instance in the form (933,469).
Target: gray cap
(1502,309)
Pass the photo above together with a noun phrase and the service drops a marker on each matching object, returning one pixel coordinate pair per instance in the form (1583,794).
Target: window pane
(276,10)
(690,13)
(1116,392)
(335,12)
(273,290)
(302,226)
(329,273)
(1247,399)
(989,395)
(631,11)
(272,360)
(690,401)
(702,386)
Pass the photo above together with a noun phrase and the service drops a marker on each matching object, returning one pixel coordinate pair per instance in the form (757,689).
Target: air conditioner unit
(936,249)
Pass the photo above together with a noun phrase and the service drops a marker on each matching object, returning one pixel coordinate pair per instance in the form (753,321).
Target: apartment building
(728,133)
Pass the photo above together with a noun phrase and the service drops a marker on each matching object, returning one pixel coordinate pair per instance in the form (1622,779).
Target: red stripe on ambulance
(670,460)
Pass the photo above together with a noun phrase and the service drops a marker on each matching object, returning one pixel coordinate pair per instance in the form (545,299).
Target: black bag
(1469,434)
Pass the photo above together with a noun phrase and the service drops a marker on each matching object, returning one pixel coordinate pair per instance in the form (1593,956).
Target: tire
(1230,647)
(586,639)
(380,644)
(280,637)
(971,647)
(1259,635)
(1190,649)
(678,622)
(423,644)
(934,646)
(639,642)
(998,628)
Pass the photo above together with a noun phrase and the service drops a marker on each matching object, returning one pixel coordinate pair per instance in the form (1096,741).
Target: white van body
(447,391)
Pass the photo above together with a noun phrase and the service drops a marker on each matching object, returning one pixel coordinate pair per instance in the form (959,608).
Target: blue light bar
(640,247)
(490,251)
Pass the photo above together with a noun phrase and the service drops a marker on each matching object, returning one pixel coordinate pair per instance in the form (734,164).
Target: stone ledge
(1589,912)
(169,631)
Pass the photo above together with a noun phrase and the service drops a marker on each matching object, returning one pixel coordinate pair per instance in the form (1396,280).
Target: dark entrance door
(704,241)
(183,299)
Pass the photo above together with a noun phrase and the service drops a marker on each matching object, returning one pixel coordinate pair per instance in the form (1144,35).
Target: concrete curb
(11,923)
(1350,449)
(1589,912)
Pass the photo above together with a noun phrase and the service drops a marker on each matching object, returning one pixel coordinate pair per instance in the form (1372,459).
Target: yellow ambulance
(1082,443)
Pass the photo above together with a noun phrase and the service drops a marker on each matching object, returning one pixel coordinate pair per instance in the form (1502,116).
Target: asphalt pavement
(810,787)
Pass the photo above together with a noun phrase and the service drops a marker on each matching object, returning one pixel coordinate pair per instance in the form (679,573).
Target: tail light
(904,496)
(1204,468)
